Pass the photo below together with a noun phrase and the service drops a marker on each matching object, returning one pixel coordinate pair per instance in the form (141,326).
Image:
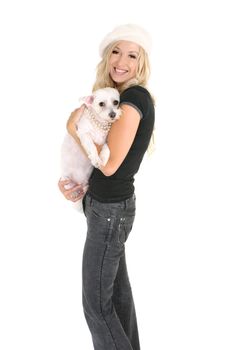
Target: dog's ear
(88,100)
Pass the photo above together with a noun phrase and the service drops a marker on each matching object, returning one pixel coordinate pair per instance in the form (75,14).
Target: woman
(109,204)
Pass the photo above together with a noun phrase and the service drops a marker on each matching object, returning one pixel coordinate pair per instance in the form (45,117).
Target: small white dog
(102,109)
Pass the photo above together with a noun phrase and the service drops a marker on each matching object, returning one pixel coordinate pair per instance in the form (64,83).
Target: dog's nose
(112,115)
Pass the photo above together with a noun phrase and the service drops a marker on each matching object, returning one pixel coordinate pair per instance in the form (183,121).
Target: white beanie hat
(129,32)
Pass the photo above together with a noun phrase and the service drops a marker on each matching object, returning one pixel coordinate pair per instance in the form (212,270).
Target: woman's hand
(75,116)
(73,194)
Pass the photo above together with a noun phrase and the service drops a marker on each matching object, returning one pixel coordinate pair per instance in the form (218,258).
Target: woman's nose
(120,59)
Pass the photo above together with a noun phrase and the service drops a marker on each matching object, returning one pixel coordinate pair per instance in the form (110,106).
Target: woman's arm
(120,138)
(70,125)
(76,192)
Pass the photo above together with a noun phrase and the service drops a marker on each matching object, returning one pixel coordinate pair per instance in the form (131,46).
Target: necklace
(105,126)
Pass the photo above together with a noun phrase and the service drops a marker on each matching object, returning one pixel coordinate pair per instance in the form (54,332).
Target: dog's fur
(103,107)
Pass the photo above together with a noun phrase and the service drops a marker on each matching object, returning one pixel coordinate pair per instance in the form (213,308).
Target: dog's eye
(115,102)
(101,104)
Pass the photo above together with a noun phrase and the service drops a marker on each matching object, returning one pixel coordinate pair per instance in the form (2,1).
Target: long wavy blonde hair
(103,78)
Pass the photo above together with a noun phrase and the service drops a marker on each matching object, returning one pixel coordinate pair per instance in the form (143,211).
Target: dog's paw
(95,161)
(104,154)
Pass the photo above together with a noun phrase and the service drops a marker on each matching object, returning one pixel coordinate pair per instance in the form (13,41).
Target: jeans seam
(101,310)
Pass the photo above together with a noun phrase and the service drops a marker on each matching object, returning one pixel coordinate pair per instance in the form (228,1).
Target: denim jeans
(106,292)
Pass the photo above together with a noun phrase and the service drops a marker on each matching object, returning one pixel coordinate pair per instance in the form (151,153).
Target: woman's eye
(115,102)
(132,56)
(115,51)
(101,104)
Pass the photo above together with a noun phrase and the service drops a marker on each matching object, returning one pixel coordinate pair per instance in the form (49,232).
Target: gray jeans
(107,296)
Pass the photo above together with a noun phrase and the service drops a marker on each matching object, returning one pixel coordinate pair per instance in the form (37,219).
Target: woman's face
(123,61)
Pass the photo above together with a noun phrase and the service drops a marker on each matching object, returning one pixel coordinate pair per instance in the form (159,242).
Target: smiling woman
(117,45)
(110,202)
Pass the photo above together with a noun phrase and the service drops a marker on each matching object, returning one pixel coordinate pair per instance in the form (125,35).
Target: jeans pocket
(98,226)
(124,228)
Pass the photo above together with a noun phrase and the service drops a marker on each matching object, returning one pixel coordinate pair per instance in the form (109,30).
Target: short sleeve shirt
(120,185)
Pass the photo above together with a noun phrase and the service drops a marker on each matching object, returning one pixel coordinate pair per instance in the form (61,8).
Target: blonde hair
(103,78)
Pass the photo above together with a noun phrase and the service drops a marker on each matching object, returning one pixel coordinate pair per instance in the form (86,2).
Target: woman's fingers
(73,194)
(62,183)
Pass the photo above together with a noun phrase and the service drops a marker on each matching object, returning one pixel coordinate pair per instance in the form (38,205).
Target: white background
(180,250)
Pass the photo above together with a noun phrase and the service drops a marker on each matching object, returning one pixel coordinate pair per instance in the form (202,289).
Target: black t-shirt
(120,185)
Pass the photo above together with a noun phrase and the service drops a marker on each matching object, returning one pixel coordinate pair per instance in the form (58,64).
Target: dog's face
(105,103)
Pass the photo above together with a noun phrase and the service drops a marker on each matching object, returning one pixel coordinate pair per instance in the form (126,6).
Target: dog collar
(105,126)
